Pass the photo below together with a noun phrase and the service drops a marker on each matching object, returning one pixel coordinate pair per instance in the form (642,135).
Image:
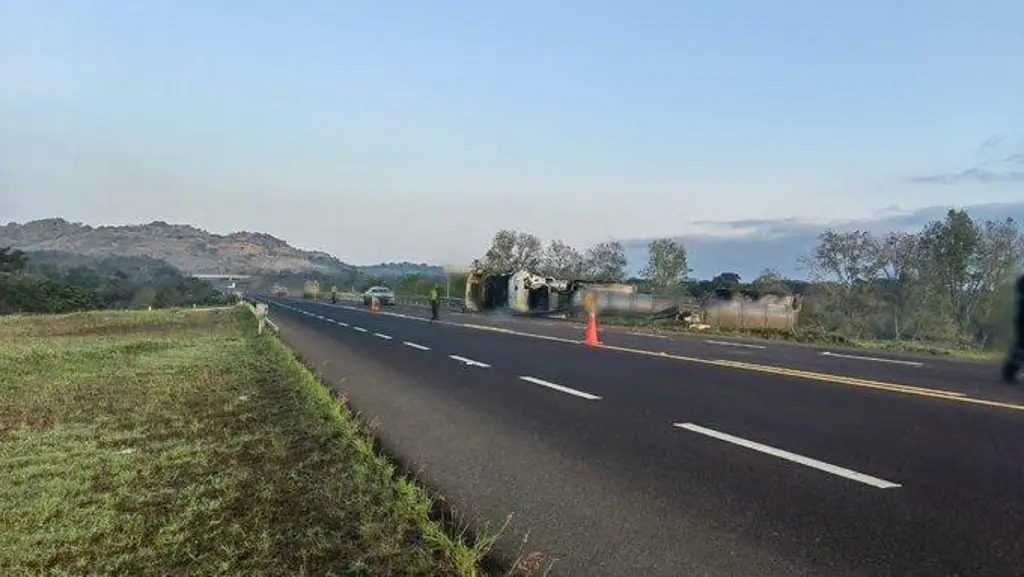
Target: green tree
(769,282)
(723,285)
(12,261)
(144,296)
(511,251)
(606,262)
(562,261)
(666,266)
(952,264)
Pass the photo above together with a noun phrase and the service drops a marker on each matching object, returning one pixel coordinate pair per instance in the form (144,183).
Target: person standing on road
(1012,366)
(435,302)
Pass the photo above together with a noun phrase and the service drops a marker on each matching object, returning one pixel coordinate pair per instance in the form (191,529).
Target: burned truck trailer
(526,293)
(520,292)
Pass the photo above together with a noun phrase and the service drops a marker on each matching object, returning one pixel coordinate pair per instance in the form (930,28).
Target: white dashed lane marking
(416,346)
(874,359)
(469,362)
(729,344)
(560,388)
(382,336)
(813,463)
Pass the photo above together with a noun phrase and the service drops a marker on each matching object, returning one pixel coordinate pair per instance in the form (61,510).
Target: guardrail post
(261,317)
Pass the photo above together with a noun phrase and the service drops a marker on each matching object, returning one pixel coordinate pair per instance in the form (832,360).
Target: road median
(171,441)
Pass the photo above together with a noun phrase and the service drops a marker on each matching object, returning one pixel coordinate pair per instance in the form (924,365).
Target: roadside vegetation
(28,287)
(179,441)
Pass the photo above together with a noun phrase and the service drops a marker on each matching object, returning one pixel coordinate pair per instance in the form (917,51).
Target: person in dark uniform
(435,302)
(1013,364)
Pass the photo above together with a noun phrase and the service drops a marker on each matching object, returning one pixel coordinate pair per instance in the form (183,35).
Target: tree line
(29,288)
(949,282)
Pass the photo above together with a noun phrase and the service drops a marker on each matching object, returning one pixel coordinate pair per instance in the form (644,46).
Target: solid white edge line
(470,362)
(782,454)
(360,329)
(560,388)
(875,359)
(382,336)
(416,346)
(728,344)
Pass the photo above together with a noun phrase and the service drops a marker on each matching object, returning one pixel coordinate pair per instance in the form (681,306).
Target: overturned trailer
(526,293)
(521,292)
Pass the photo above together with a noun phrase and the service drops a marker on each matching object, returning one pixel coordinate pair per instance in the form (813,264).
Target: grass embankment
(174,442)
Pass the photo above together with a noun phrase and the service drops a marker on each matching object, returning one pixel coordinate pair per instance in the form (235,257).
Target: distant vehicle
(385,296)
(279,291)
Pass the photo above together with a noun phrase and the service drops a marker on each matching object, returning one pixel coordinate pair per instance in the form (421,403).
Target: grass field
(179,442)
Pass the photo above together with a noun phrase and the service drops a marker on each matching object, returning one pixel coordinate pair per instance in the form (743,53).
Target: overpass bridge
(221,277)
(222,281)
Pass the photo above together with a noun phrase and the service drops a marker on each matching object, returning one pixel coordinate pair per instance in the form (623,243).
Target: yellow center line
(826,377)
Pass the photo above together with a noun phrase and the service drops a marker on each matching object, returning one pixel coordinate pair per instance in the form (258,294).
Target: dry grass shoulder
(174,442)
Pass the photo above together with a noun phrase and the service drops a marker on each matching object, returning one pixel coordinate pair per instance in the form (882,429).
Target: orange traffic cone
(590,335)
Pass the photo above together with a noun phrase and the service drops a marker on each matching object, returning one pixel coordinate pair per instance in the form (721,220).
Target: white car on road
(385,296)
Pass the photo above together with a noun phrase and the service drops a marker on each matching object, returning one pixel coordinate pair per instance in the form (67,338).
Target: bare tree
(842,257)
(843,269)
(897,258)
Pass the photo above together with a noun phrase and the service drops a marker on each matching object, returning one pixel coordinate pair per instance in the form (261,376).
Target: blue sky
(373,130)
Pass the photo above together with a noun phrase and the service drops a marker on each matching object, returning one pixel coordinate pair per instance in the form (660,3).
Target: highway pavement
(940,373)
(637,459)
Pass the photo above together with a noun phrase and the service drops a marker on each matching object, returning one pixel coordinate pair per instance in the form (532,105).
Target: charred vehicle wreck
(525,293)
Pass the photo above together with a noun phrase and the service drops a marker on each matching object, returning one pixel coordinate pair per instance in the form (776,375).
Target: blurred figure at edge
(1013,363)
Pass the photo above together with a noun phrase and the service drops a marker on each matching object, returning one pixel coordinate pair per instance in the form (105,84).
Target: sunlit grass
(174,442)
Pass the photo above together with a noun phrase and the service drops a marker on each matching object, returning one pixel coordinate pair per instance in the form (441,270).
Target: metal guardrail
(449,303)
(262,314)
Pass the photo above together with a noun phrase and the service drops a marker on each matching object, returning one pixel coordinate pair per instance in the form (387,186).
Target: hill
(189,249)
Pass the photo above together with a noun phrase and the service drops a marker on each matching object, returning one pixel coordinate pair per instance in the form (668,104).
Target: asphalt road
(944,374)
(625,460)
